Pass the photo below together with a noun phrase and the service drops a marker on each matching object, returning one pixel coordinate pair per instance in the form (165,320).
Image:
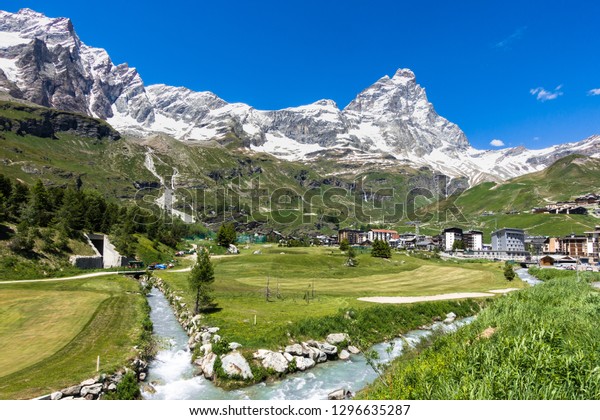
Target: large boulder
(450,317)
(329,349)
(261,354)
(234,346)
(233,249)
(71,391)
(56,395)
(235,366)
(275,361)
(303,363)
(339,394)
(316,355)
(295,350)
(88,382)
(208,365)
(353,350)
(337,338)
(91,390)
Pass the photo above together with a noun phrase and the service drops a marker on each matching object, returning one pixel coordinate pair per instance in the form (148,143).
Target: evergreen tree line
(71,211)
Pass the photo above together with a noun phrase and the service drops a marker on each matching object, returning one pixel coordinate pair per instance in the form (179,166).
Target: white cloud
(594,92)
(544,95)
(497,143)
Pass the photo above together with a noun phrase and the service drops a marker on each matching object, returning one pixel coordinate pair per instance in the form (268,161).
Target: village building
(508,239)
(593,244)
(473,240)
(354,237)
(449,236)
(574,245)
(382,235)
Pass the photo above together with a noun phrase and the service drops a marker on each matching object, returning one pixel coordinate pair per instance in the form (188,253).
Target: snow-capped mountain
(43,60)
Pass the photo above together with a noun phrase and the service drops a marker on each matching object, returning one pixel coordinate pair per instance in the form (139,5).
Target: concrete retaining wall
(86,262)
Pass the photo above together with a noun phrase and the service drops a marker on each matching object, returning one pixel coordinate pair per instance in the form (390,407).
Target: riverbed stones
(303,363)
(344,355)
(205,349)
(339,394)
(56,395)
(213,330)
(216,338)
(353,350)
(316,354)
(450,317)
(261,354)
(88,382)
(234,346)
(205,336)
(288,356)
(275,361)
(208,365)
(236,366)
(337,338)
(91,390)
(329,349)
(295,350)
(71,391)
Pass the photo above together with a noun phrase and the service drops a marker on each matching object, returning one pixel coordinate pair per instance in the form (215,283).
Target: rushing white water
(526,277)
(171,373)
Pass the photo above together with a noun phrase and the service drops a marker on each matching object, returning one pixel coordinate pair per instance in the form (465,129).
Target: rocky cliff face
(47,123)
(44,61)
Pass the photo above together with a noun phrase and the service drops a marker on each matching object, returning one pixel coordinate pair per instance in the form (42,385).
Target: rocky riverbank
(228,361)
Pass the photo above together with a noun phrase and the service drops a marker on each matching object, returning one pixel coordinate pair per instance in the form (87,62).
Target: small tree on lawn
(344,245)
(381,249)
(351,261)
(226,235)
(509,273)
(200,280)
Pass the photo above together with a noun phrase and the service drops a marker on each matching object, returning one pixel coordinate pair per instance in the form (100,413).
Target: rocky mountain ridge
(43,60)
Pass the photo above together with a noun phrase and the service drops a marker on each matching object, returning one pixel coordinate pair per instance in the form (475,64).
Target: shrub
(127,389)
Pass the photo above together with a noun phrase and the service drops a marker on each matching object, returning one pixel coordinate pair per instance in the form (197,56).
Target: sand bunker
(446,296)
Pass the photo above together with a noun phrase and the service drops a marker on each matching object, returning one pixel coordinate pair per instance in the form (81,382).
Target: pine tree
(18,200)
(226,235)
(72,212)
(381,249)
(509,273)
(344,245)
(200,280)
(39,211)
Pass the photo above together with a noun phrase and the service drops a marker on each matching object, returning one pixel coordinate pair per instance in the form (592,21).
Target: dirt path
(77,277)
(100,274)
(446,296)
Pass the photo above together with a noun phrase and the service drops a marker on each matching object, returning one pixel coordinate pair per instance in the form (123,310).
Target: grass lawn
(241,282)
(51,333)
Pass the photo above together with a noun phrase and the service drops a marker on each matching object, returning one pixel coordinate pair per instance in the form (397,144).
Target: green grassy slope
(539,343)
(54,332)
(564,180)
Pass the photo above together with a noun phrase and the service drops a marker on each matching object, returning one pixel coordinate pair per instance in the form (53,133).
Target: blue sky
(516,71)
